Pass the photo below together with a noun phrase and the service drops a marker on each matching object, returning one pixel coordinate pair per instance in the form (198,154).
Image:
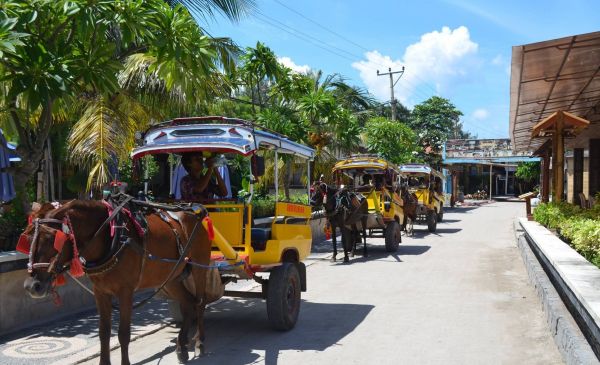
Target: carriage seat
(259,238)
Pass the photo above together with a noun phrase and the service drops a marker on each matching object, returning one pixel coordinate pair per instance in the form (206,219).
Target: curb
(571,343)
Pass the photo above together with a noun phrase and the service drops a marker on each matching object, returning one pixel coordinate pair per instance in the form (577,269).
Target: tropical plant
(435,120)
(393,140)
(110,66)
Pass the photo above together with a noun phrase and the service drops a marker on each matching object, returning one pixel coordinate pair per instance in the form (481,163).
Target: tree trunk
(30,149)
(288,179)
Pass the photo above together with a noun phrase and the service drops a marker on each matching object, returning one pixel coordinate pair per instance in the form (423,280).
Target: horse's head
(50,243)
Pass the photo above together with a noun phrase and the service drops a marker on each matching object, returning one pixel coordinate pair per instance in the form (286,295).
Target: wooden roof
(572,124)
(555,75)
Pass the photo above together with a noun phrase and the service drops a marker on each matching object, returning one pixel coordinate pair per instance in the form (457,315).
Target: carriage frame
(430,196)
(240,249)
(385,206)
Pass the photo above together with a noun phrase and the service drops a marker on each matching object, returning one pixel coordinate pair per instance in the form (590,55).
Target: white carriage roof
(418,169)
(238,136)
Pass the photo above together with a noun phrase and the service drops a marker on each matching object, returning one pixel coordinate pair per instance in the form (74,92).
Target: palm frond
(101,135)
(232,9)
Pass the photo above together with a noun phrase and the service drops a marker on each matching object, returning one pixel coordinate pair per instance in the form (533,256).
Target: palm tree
(111,67)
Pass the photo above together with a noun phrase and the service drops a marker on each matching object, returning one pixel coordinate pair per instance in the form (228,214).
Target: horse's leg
(186,303)
(199,348)
(364,234)
(125,310)
(104,306)
(346,235)
(200,286)
(354,237)
(334,240)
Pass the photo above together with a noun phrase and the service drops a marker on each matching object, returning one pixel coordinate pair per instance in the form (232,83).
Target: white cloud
(480,114)
(498,60)
(440,58)
(287,62)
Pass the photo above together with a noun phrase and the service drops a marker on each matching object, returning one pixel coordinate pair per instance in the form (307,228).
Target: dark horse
(338,205)
(411,202)
(75,233)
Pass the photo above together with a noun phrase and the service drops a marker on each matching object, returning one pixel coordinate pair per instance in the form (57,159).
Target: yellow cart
(377,180)
(242,249)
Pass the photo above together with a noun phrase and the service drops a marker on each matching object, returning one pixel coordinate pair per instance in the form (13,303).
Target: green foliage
(580,228)
(528,171)
(264,205)
(394,141)
(435,120)
(12,223)
(584,235)
(552,214)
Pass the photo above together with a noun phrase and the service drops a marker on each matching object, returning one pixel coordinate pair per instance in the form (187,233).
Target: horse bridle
(51,265)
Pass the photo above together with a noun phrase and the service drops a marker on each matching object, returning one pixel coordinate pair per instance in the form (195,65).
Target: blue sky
(457,49)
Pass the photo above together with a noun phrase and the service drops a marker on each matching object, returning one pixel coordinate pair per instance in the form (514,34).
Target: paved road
(459,296)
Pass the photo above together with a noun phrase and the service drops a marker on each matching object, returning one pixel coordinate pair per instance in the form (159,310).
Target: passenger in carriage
(203,180)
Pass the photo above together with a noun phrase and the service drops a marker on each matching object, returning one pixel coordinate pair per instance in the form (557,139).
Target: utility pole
(392,84)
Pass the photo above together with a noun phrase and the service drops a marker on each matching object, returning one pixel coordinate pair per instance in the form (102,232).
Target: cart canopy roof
(218,135)
(364,164)
(420,170)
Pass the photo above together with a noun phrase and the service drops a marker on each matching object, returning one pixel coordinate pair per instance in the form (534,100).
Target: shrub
(552,214)
(584,235)
(12,223)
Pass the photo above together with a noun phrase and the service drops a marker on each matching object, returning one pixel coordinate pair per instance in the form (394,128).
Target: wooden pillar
(491,182)
(546,177)
(558,158)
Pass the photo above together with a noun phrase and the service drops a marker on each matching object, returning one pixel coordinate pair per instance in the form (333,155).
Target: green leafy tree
(394,141)
(435,121)
(528,173)
(108,66)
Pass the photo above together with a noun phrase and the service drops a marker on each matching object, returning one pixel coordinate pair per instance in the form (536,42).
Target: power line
(415,90)
(347,40)
(321,26)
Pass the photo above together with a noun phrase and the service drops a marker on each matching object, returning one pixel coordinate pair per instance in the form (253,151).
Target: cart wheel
(393,236)
(431,220)
(283,297)
(440,215)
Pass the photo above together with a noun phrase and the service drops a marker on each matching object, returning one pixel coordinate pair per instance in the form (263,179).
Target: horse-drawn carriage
(377,180)
(426,184)
(242,249)
(186,249)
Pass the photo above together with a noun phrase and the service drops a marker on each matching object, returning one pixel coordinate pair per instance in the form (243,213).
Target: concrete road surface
(459,296)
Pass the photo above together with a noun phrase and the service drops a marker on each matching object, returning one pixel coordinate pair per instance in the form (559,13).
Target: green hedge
(264,205)
(580,228)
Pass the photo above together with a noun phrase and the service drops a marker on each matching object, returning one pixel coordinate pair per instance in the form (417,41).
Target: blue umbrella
(7,187)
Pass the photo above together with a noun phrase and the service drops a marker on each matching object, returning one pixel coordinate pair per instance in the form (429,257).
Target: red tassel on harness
(209,228)
(59,280)
(76,267)
(23,246)
(59,240)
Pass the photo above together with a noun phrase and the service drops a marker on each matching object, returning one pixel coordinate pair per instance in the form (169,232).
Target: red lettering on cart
(295,208)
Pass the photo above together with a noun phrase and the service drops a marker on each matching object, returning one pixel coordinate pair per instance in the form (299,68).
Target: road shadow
(238,331)
(463,209)
(85,323)
(439,231)
(446,220)
(413,250)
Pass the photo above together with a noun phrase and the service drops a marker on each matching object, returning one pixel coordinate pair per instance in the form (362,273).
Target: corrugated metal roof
(560,74)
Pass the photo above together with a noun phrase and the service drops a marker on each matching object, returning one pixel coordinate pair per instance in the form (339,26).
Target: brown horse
(411,202)
(338,205)
(79,229)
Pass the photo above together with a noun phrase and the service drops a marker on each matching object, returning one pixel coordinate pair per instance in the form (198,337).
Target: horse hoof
(199,350)
(182,355)
(333,259)
(346,259)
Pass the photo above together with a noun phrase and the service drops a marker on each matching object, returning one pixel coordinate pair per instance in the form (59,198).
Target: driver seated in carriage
(203,181)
